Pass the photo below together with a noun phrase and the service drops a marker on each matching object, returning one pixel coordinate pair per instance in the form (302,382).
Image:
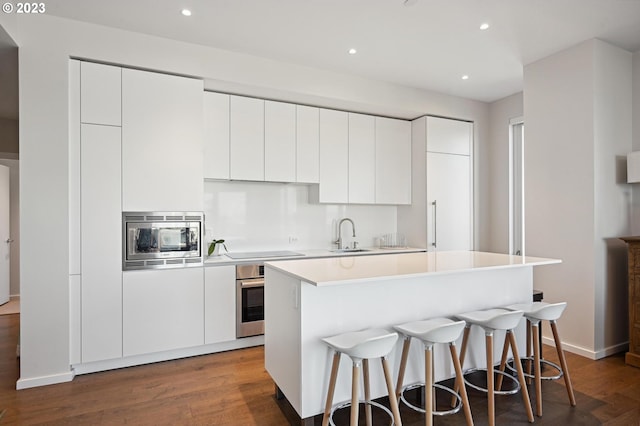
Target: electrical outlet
(293,239)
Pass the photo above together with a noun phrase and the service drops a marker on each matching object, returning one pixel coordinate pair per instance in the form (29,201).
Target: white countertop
(308,254)
(348,270)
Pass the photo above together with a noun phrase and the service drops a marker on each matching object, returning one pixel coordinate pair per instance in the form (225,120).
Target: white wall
(14,225)
(577,124)
(635,189)
(45,46)
(252,216)
(497,152)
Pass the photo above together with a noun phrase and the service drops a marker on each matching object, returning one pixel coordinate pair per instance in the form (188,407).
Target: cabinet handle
(435,221)
(9,240)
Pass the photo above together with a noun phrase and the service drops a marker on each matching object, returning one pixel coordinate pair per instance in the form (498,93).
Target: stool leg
(403,364)
(536,368)
(563,363)
(528,354)
(355,378)
(503,362)
(463,350)
(428,385)
(392,396)
(460,384)
(490,395)
(523,384)
(332,388)
(367,392)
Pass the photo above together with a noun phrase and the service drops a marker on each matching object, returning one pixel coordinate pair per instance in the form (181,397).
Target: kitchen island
(307,300)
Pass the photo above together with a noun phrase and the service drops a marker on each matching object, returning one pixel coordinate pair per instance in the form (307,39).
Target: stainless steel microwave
(153,240)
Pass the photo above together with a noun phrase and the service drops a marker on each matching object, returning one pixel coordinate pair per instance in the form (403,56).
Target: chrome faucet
(339,240)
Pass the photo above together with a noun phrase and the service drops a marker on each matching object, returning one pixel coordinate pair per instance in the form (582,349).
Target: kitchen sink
(349,250)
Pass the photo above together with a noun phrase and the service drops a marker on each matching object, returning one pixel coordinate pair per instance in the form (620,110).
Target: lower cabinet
(219,304)
(162,310)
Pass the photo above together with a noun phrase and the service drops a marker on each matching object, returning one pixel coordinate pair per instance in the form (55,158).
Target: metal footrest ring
(495,391)
(543,361)
(372,403)
(435,412)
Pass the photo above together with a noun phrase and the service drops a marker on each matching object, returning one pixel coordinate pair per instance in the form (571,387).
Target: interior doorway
(516,186)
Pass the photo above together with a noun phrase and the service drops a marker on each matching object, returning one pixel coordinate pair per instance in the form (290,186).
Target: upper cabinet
(162,142)
(216,135)
(307,144)
(279,142)
(100,94)
(393,161)
(246,138)
(449,136)
(362,159)
(334,156)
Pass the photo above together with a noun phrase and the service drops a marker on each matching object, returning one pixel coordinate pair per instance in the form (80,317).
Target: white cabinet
(307,144)
(101,264)
(100,90)
(449,184)
(334,156)
(219,304)
(162,142)
(279,142)
(392,161)
(162,310)
(362,159)
(247,138)
(216,136)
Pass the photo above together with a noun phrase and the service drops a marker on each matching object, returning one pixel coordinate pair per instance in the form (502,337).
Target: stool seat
(541,311)
(493,319)
(437,330)
(365,344)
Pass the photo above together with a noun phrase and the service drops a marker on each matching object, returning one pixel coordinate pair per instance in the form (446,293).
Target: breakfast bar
(310,299)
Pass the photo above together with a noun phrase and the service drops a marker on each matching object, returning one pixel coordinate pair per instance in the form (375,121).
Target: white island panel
(301,311)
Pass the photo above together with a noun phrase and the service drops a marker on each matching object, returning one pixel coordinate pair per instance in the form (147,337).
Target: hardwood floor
(232,388)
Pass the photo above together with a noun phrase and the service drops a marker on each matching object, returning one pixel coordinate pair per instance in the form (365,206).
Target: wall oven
(249,300)
(153,240)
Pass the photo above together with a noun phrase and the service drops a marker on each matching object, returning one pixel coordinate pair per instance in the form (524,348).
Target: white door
(448,202)
(5,238)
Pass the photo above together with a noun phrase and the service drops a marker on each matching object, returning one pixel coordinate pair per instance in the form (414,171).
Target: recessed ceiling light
(186,12)
(352,51)
(410,2)
(465,77)
(484,26)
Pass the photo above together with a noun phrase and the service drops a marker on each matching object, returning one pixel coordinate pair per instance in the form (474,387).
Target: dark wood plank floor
(232,388)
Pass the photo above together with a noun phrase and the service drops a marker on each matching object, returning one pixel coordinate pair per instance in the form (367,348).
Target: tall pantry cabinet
(441,217)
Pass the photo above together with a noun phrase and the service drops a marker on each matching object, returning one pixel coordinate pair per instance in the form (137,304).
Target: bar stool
(534,313)
(430,332)
(361,346)
(491,320)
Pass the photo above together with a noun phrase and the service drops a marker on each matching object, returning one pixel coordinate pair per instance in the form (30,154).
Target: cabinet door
(216,135)
(162,134)
(307,144)
(279,142)
(219,304)
(393,161)
(100,94)
(162,310)
(247,139)
(362,159)
(101,229)
(334,156)
(449,187)
(449,136)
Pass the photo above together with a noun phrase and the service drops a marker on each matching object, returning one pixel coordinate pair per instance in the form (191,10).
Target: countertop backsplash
(253,216)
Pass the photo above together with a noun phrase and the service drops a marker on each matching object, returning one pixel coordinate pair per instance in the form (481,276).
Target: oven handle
(252,283)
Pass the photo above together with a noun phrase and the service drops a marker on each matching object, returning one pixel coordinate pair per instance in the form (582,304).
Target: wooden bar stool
(534,313)
(430,332)
(361,346)
(491,320)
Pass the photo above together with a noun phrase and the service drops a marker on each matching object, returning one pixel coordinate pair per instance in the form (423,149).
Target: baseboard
(33,382)
(588,353)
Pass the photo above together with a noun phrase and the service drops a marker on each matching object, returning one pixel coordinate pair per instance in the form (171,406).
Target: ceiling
(428,44)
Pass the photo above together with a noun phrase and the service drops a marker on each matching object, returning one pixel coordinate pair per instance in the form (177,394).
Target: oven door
(250,307)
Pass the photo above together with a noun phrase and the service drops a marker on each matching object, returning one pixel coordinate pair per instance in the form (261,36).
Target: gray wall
(8,135)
